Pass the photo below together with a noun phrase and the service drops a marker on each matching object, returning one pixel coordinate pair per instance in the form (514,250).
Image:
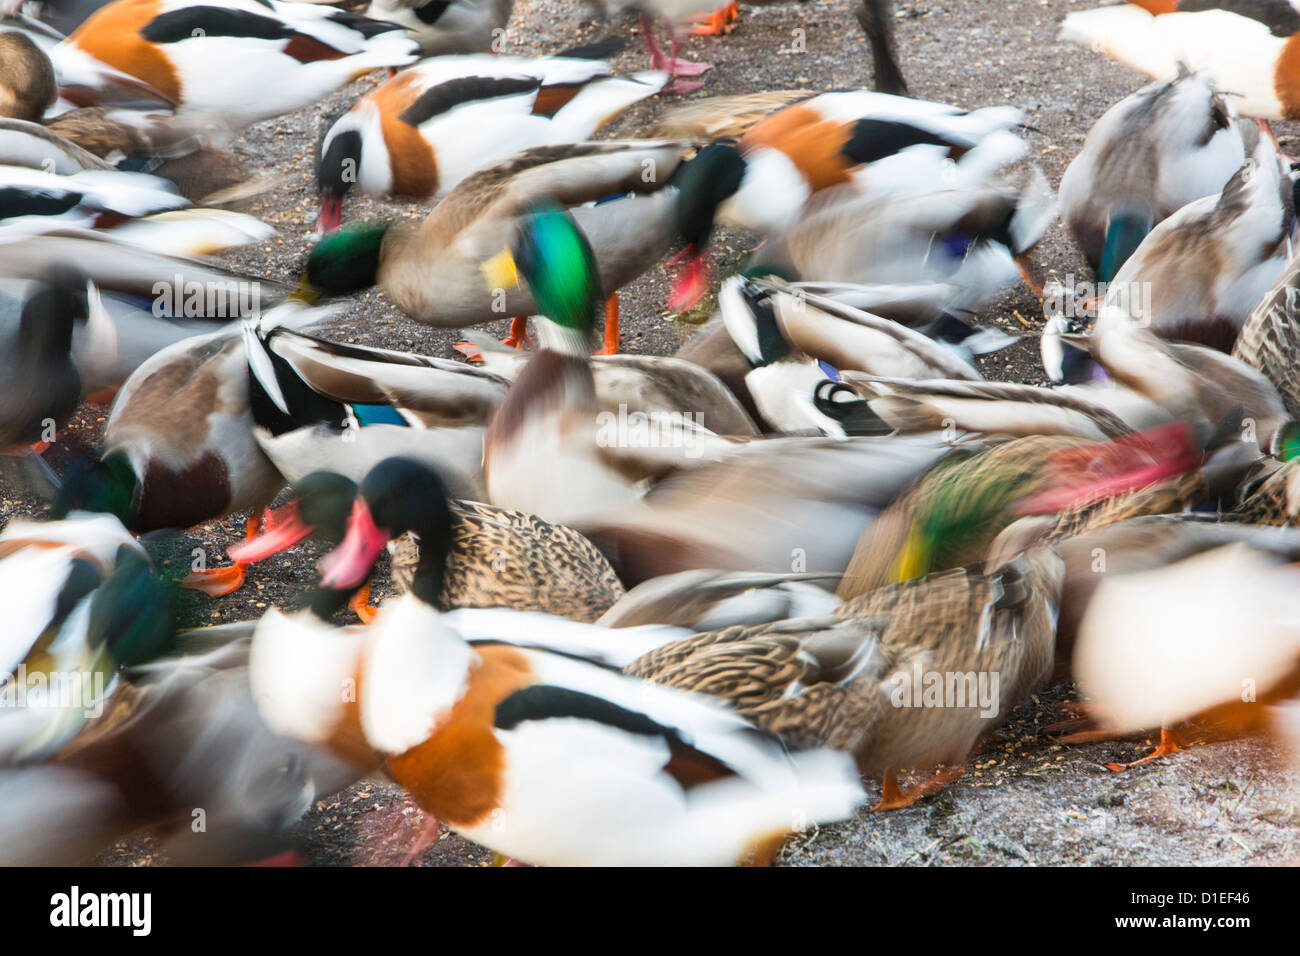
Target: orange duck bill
(692,279)
(348,566)
(284,529)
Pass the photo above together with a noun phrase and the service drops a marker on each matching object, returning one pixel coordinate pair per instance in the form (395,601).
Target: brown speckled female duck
(860,679)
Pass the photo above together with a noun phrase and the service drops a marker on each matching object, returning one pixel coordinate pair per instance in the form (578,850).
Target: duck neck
(562,339)
(430,571)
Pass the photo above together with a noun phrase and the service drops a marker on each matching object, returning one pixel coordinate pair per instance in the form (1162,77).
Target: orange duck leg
(216,582)
(893,797)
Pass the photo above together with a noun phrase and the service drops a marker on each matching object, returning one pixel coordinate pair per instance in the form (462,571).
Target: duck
(927,307)
(25,143)
(954,512)
(706,599)
(666,494)
(290,54)
(443,27)
(596,459)
(68,583)
(1238,49)
(1131,380)
(921,254)
(765,180)
(996,408)
(135,302)
(795,340)
(1168,623)
(178,447)
(653,384)
(178,732)
(1272,498)
(434,273)
(1271,333)
(42,385)
(27,84)
(492,557)
(80,81)
(672,13)
(855,679)
(101,139)
(1189,381)
(1280,16)
(589,767)
(1153,152)
(319,404)
(41,201)
(426,129)
(1243,231)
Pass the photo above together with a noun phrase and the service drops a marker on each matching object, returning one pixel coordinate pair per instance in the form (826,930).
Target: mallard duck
(588,766)
(709,600)
(42,386)
(323,405)
(765,180)
(1132,380)
(447,26)
(870,677)
(1270,336)
(596,459)
(651,384)
(135,302)
(27,84)
(289,54)
(434,273)
(1239,50)
(85,599)
(702,510)
(492,557)
(320,405)
(1191,382)
(795,340)
(1272,498)
(178,447)
(1239,239)
(426,129)
(1149,155)
(775,505)
(182,732)
(953,513)
(926,252)
(990,408)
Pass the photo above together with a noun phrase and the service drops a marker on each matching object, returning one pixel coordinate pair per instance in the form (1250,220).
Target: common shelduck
(235,61)
(536,748)
(428,128)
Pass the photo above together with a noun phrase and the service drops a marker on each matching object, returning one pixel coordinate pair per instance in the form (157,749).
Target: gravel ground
(1025,798)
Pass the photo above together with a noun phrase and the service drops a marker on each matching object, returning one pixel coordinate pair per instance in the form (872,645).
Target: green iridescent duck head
(553,256)
(344,261)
